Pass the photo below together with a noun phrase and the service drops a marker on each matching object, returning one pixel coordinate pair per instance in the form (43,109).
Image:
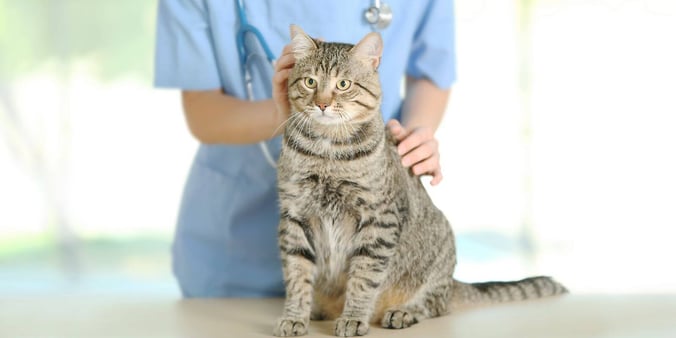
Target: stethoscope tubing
(243,29)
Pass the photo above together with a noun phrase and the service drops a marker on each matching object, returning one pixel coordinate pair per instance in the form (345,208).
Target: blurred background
(558,147)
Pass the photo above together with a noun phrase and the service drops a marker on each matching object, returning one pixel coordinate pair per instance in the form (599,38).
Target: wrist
(277,118)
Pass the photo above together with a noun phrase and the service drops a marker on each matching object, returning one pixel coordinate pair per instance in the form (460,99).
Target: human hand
(419,149)
(280,88)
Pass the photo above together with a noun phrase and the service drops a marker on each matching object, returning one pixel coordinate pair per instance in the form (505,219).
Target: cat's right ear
(301,43)
(369,49)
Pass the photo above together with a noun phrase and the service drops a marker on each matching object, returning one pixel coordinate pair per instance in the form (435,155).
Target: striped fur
(361,242)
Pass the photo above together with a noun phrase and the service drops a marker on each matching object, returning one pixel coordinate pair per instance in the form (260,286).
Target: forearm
(215,117)
(424,105)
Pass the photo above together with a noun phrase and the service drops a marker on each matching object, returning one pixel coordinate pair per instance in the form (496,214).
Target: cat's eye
(343,84)
(310,82)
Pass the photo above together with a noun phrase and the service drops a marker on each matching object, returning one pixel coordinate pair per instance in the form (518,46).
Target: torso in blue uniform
(226,237)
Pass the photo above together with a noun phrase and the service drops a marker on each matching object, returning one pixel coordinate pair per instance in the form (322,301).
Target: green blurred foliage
(117,36)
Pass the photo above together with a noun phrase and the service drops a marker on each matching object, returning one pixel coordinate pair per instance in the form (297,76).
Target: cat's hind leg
(431,303)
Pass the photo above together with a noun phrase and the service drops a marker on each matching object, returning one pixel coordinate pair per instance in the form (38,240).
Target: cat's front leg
(367,273)
(298,264)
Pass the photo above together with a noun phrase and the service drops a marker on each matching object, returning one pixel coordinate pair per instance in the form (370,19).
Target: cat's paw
(349,327)
(398,319)
(290,327)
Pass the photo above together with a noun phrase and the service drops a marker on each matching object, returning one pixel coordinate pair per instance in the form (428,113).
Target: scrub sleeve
(432,53)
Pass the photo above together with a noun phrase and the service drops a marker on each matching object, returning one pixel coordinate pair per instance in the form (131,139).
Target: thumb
(397,130)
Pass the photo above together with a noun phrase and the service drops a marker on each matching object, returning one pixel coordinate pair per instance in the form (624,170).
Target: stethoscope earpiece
(379,15)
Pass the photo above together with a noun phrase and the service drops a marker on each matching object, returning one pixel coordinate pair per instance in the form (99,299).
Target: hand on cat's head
(280,90)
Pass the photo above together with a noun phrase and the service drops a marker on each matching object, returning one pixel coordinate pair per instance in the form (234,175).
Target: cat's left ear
(370,49)
(301,43)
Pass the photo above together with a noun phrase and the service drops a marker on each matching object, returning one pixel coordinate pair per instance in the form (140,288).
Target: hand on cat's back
(419,150)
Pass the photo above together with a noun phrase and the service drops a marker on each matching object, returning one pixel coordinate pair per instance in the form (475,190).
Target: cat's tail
(471,294)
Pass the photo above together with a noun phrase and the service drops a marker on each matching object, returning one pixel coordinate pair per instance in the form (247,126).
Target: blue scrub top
(226,238)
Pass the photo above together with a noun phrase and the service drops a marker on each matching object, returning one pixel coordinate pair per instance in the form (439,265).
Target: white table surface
(608,316)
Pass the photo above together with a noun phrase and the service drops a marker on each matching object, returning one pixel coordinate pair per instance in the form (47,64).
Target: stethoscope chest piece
(379,15)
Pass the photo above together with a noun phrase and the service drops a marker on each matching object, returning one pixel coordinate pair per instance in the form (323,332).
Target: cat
(361,242)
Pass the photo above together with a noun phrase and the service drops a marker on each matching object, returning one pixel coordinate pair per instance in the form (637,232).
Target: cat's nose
(322,106)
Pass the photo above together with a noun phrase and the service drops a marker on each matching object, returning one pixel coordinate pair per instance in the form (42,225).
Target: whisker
(282,124)
(343,125)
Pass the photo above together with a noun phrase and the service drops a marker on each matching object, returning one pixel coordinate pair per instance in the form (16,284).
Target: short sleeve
(184,52)
(433,49)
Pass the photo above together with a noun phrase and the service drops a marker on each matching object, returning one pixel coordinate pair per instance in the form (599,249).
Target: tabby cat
(361,242)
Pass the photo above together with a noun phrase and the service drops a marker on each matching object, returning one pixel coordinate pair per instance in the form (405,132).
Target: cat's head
(335,83)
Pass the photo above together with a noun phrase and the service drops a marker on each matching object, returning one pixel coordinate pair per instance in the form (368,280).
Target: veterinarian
(225,243)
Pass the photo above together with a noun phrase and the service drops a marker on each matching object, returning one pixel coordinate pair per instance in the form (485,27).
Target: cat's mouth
(327,117)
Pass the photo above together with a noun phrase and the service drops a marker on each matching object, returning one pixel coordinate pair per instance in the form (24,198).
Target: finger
(280,78)
(414,140)
(396,130)
(419,154)
(436,177)
(285,61)
(393,123)
(429,166)
(287,50)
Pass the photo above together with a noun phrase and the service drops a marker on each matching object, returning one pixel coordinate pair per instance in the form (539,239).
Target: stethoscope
(378,15)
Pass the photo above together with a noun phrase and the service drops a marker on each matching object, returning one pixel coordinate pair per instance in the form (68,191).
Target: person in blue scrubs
(225,243)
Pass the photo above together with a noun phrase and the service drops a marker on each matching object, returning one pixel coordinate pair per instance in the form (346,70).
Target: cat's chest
(332,196)
(334,205)
(333,246)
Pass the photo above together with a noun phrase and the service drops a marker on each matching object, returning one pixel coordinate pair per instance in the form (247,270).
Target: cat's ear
(301,43)
(369,49)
